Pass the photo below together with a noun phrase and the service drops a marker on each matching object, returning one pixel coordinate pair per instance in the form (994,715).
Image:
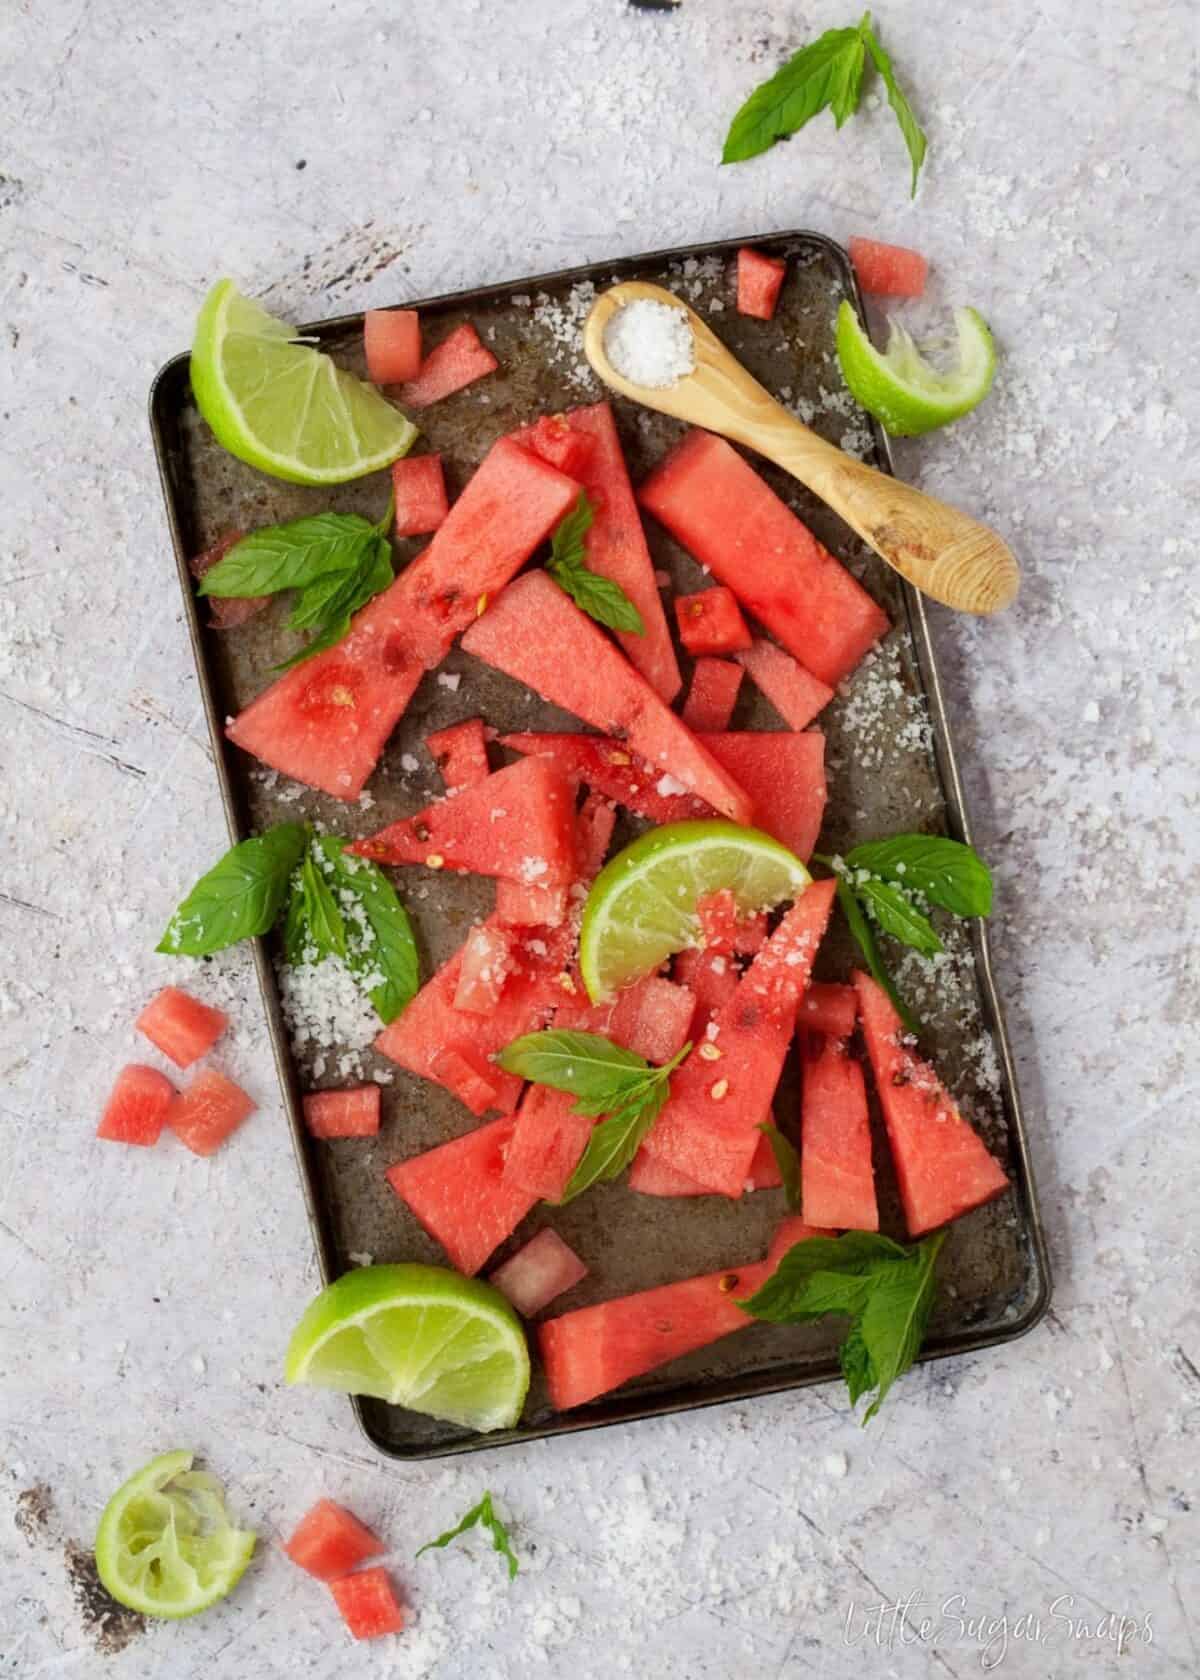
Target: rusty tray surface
(891,767)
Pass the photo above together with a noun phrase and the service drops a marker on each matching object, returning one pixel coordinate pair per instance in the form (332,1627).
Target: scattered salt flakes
(325,1010)
(532,869)
(718,966)
(668,785)
(835,1464)
(409,762)
(562,323)
(199,1364)
(450,680)
(361,1259)
(539,947)
(650,343)
(1091,712)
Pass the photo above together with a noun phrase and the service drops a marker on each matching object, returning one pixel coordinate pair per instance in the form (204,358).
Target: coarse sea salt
(650,343)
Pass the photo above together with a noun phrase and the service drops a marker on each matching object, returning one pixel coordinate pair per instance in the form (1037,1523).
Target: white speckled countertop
(352,154)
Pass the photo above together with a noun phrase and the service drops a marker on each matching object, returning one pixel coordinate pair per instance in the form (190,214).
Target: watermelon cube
(519,823)
(713,502)
(724,930)
(325,721)
(712,696)
(651,1018)
(538,1273)
(337,1114)
(225,612)
(943,1169)
(329,1541)
(652,1177)
(556,440)
(784,774)
(537,634)
(888,270)
(459,1193)
(487,962)
(711,622)
(137,1106)
(182,1027)
(828,1009)
(368,1603)
(594,824)
(204,1114)
(456,362)
(460,753)
(419,489)
(759,279)
(794,692)
(837,1180)
(392,341)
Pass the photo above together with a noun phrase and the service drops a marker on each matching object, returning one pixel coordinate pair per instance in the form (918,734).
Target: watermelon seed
(710,1053)
(720,1090)
(435,860)
(728,1282)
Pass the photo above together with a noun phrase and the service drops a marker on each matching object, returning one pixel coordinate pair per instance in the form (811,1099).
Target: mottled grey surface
(146,149)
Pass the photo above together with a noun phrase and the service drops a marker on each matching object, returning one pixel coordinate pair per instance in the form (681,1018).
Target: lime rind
(901,388)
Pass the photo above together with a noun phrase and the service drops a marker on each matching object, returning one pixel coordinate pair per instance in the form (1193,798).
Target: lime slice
(418,1336)
(642,906)
(282,406)
(900,388)
(165,1545)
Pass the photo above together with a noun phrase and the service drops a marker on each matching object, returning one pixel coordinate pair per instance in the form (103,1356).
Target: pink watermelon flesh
(594,824)
(459,1193)
(460,753)
(759,279)
(764,1169)
(469,1075)
(611,769)
(711,978)
(548,1141)
(457,361)
(715,504)
(532,906)
(182,1027)
(368,1603)
(352,1113)
(794,692)
(724,930)
(537,906)
(651,1177)
(790,1231)
(392,341)
(828,1009)
(616,544)
(652,1018)
(325,722)
(225,612)
(329,1541)
(137,1106)
(713,695)
(942,1167)
(837,1180)
(536,634)
(204,1115)
(538,1273)
(784,774)
(556,440)
(419,488)
(487,962)
(711,622)
(888,270)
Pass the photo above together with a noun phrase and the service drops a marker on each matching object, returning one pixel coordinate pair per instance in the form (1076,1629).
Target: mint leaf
(567,544)
(615,1141)
(598,1072)
(896,1316)
(289,556)
(599,597)
(323,919)
(896,914)
(332,602)
(240,896)
(827,73)
(910,128)
(788,1162)
(381,950)
(860,927)
(481,1515)
(946,872)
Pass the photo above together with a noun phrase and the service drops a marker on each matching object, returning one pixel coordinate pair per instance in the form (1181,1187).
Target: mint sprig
(598,596)
(239,897)
(482,1515)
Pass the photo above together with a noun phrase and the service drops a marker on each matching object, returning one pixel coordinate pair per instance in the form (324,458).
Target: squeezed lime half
(903,390)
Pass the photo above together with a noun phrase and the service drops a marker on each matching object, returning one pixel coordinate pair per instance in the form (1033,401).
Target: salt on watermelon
(336,1114)
(137,1106)
(225,612)
(615,546)
(531,906)
(712,696)
(539,906)
(714,503)
(837,1180)
(794,692)
(519,824)
(182,1027)
(487,962)
(539,1273)
(943,1169)
(204,1114)
(888,270)
(708,1130)
(460,753)
(459,360)
(325,722)
(329,1541)
(651,1018)
(556,440)
(392,341)
(460,1195)
(368,1603)
(784,774)
(711,622)
(712,978)
(419,492)
(537,635)
(828,1009)
(610,768)
(759,279)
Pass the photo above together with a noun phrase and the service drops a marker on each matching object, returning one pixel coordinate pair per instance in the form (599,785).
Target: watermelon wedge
(329,1541)
(537,634)
(942,1167)
(419,489)
(764,1168)
(182,1027)
(460,753)
(204,1115)
(521,906)
(325,721)
(616,544)
(459,1194)
(712,696)
(350,1113)
(711,622)
(548,1140)
(759,279)
(714,503)
(888,270)
(487,962)
(462,1070)
(456,362)
(519,824)
(612,770)
(794,692)
(392,341)
(828,1009)
(137,1107)
(784,774)
(837,1180)
(538,906)
(368,1603)
(538,1273)
(556,440)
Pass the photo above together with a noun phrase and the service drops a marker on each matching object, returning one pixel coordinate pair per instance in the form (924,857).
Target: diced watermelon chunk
(419,488)
(837,1180)
(469,1076)
(784,774)
(325,721)
(137,1106)
(828,1009)
(712,980)
(225,612)
(943,1168)
(712,696)
(711,622)
(888,270)
(652,1177)
(204,1115)
(337,1114)
(460,753)
(718,913)
(794,692)
(368,1603)
(182,1027)
(616,544)
(392,341)
(759,279)
(538,1273)
(714,503)
(329,1541)
(594,824)
(459,1193)
(556,440)
(456,362)
(486,965)
(519,823)
(652,1018)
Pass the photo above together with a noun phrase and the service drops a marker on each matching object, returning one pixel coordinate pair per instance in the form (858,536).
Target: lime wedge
(418,1336)
(642,906)
(165,1545)
(900,388)
(282,406)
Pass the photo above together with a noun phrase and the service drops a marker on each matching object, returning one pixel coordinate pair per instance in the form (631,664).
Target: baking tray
(891,767)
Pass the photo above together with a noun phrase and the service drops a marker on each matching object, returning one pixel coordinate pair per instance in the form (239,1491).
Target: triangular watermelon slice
(610,768)
(837,1180)
(458,1193)
(784,774)
(794,692)
(942,1167)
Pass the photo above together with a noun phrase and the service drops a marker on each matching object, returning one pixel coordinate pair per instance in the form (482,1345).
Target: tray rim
(615,1409)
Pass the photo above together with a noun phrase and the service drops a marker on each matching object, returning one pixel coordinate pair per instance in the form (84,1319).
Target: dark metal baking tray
(891,767)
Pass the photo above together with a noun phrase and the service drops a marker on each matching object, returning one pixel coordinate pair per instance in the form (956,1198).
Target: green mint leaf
(482,1515)
(896,1317)
(826,73)
(839,1264)
(240,896)
(946,872)
(298,944)
(325,926)
(567,544)
(289,556)
(615,1141)
(860,927)
(788,1162)
(331,604)
(594,1069)
(856,1365)
(896,914)
(381,949)
(910,128)
(599,597)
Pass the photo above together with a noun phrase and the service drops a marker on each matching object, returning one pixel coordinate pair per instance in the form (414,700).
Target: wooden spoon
(943,552)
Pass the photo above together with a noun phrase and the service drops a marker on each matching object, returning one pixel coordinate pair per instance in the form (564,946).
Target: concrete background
(337,155)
